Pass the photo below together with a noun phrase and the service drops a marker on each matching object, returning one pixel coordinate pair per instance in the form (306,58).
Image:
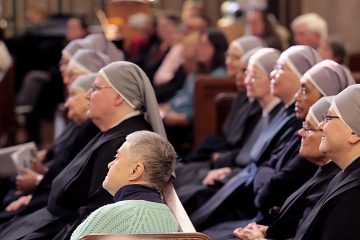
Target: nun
(121,101)
(336,214)
(77,133)
(298,204)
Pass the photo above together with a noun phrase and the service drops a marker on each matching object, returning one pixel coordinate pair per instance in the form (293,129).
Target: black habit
(77,190)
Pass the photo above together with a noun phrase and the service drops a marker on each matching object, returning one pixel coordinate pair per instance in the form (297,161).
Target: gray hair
(157,155)
(314,22)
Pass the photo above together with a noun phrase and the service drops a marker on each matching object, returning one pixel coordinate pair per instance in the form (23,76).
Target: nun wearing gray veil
(121,101)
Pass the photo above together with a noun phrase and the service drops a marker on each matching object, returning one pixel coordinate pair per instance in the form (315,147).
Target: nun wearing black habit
(122,101)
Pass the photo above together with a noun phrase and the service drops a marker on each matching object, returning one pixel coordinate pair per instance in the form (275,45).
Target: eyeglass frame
(326,118)
(308,130)
(95,88)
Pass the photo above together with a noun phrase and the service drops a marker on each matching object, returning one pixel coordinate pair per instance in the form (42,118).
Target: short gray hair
(157,155)
(314,22)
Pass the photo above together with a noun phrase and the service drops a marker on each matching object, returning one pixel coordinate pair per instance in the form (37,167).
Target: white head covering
(347,106)
(265,58)
(319,108)
(88,60)
(329,77)
(300,58)
(98,42)
(84,81)
(245,43)
(71,48)
(131,83)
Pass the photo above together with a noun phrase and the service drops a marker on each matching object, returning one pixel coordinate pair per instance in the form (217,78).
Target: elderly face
(102,101)
(284,82)
(233,60)
(310,140)
(303,36)
(204,50)
(335,135)
(119,170)
(305,98)
(77,104)
(257,82)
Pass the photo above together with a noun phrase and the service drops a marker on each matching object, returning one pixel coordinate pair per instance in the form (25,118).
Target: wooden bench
(206,90)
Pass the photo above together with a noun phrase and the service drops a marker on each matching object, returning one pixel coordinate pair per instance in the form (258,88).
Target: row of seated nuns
(266,177)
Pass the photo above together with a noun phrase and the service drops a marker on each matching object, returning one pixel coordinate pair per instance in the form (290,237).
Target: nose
(321,125)
(88,94)
(67,103)
(110,164)
(301,132)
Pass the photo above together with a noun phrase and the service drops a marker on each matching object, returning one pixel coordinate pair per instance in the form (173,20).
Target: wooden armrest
(223,103)
(169,236)
(206,89)
(173,202)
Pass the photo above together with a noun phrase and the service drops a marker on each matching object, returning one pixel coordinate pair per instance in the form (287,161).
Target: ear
(137,171)
(118,100)
(354,139)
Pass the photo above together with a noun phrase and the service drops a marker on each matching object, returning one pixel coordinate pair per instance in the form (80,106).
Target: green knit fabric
(130,216)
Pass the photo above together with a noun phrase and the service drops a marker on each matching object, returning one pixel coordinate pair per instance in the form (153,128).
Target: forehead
(100,80)
(309,121)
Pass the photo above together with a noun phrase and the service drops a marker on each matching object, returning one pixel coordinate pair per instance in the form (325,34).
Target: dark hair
(82,19)
(220,44)
(171,16)
(338,49)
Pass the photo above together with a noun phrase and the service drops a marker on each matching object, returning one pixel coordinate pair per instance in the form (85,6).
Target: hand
(15,205)
(41,154)
(38,167)
(216,174)
(26,180)
(252,231)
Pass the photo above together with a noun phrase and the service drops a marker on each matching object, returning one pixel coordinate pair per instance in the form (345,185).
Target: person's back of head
(309,29)
(156,154)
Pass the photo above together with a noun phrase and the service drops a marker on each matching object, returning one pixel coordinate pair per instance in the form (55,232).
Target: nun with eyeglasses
(121,101)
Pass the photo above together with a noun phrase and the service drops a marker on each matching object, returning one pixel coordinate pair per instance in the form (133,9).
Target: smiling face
(284,82)
(310,140)
(305,98)
(77,104)
(257,82)
(233,60)
(335,136)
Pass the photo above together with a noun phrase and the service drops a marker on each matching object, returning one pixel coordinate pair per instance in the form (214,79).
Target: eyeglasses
(96,88)
(307,129)
(327,118)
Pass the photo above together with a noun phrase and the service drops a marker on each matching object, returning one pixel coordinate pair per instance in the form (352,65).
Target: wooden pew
(206,89)
(7,102)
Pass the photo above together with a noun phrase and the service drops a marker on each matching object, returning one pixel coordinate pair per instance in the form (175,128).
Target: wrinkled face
(255,22)
(119,170)
(77,104)
(74,29)
(305,98)
(284,82)
(257,82)
(204,50)
(303,36)
(102,99)
(233,60)
(310,140)
(335,134)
